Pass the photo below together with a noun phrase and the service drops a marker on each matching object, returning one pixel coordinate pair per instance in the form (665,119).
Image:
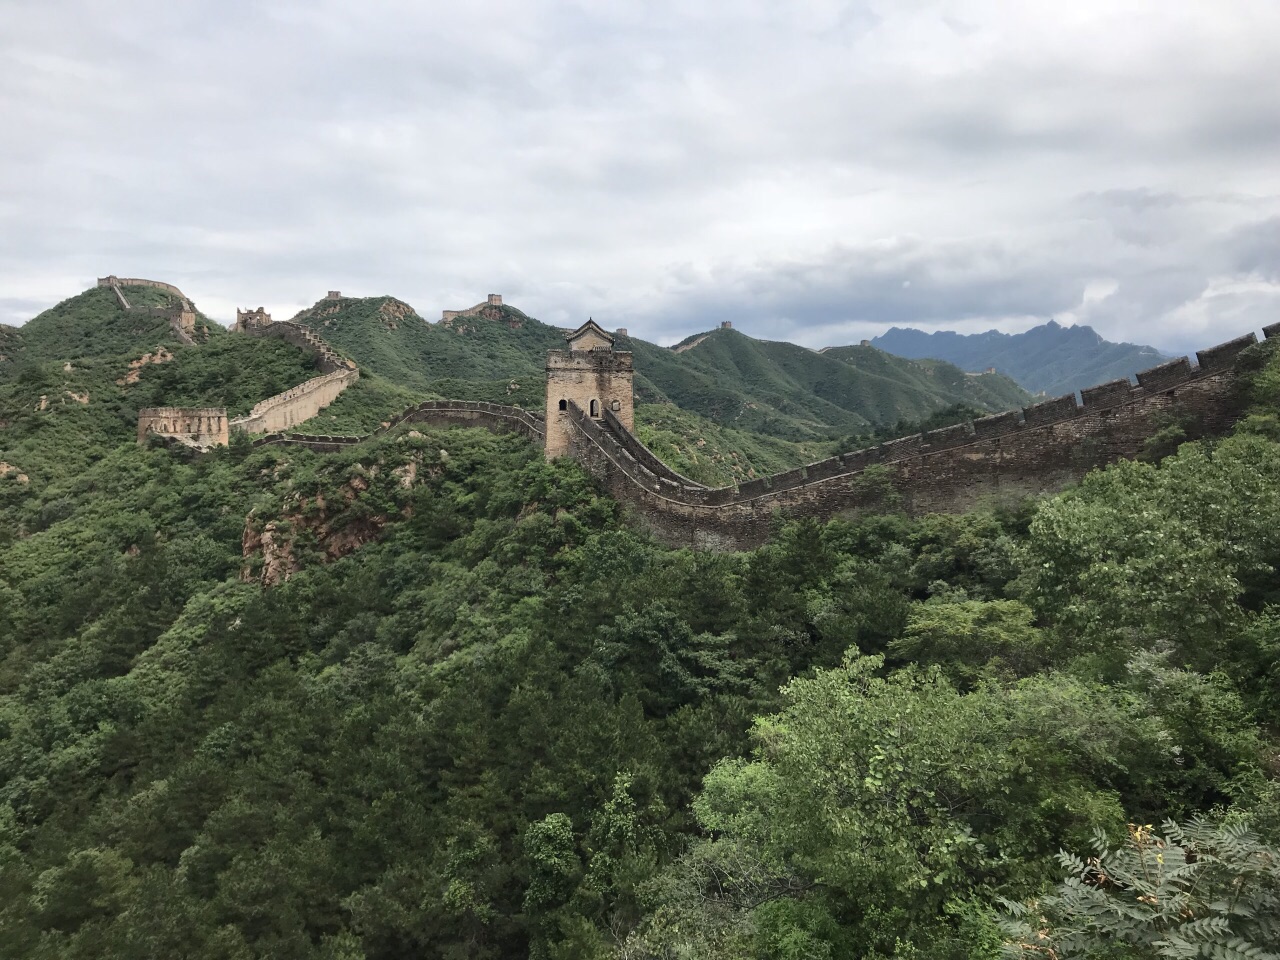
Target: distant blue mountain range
(1050,358)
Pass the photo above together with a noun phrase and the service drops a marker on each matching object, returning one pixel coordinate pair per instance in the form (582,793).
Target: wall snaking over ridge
(437,413)
(304,401)
(1034,451)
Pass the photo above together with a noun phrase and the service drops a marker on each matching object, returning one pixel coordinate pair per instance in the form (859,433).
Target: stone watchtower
(592,375)
(252,319)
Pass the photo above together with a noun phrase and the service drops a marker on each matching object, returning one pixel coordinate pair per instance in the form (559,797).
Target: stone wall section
(1035,451)
(200,427)
(480,309)
(304,401)
(181,317)
(296,404)
(643,455)
(439,413)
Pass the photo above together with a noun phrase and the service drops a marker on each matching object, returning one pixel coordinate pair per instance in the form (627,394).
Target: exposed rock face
(7,469)
(394,311)
(275,540)
(161,355)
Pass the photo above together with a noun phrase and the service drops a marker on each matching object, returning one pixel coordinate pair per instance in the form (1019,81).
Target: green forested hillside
(82,370)
(776,389)
(436,697)
(433,696)
(389,338)
(791,392)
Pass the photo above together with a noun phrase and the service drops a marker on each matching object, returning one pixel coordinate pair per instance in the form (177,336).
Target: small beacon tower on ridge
(592,375)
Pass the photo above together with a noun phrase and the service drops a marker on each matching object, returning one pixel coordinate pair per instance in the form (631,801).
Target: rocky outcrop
(161,355)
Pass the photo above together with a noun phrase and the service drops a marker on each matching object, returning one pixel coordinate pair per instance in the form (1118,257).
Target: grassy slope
(709,453)
(371,400)
(729,409)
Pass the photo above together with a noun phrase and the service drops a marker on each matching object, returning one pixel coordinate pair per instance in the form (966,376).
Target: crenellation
(753,488)
(951,436)
(1107,394)
(861,459)
(1222,356)
(902,447)
(787,480)
(1051,411)
(822,469)
(201,427)
(997,425)
(590,416)
(592,375)
(1166,375)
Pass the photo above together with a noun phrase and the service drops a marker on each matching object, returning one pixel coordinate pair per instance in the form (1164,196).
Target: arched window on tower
(564,404)
(595,408)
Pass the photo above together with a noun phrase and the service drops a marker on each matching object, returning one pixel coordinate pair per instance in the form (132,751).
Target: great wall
(181,316)
(589,417)
(207,427)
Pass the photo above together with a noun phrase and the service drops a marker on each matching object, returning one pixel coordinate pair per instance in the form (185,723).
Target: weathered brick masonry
(200,427)
(1038,450)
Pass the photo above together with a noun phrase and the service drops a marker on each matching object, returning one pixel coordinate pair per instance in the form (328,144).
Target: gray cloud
(815,171)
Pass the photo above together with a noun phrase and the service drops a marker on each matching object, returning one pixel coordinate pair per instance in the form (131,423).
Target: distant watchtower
(592,375)
(251,319)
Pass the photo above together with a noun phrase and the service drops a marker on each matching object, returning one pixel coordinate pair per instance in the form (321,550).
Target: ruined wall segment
(201,427)
(492,300)
(440,413)
(297,404)
(251,320)
(181,316)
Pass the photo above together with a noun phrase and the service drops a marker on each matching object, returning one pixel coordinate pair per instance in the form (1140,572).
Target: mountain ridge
(1051,358)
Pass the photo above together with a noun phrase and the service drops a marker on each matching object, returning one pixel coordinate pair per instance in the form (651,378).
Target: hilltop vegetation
(793,393)
(777,389)
(484,717)
(389,338)
(1050,358)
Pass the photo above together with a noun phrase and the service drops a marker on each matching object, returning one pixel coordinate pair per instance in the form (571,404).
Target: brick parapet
(138,282)
(1034,451)
(643,455)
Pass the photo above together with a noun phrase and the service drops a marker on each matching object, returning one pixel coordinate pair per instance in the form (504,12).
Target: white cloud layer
(814,171)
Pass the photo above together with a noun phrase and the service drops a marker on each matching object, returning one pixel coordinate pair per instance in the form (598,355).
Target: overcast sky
(812,171)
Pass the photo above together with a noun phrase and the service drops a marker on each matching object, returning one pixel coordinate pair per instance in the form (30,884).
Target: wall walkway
(300,403)
(1038,450)
(437,413)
